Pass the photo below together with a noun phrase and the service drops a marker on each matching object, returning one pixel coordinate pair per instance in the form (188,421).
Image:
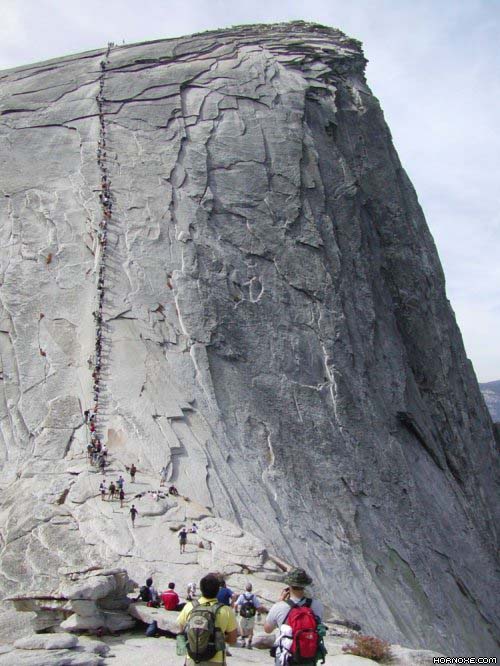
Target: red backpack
(305,638)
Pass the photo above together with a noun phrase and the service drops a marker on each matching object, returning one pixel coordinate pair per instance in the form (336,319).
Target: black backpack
(145,593)
(247,608)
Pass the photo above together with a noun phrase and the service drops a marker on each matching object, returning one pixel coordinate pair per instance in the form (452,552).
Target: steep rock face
(276,329)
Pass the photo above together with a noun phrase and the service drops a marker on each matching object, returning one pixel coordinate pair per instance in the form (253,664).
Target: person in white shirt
(246,608)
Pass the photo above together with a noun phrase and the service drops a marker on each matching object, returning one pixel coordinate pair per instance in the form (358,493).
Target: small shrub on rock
(369,647)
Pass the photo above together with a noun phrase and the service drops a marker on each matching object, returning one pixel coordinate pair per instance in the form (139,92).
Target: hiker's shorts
(246,624)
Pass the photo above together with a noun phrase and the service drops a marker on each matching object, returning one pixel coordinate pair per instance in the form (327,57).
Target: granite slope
(275,325)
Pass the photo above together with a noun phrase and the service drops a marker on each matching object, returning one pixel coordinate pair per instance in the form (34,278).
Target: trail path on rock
(158,652)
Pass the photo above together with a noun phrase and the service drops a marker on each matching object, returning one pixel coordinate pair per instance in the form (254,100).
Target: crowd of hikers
(219,617)
(116,491)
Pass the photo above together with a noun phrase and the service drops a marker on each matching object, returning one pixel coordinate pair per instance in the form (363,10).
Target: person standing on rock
(183,540)
(103,490)
(122,497)
(163,475)
(291,598)
(112,491)
(121,482)
(223,617)
(246,606)
(191,592)
(133,514)
(133,471)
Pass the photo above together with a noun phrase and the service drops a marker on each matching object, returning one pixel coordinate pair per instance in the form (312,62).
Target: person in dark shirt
(225,595)
(183,540)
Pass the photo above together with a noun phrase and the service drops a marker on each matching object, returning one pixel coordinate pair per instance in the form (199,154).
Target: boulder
(93,646)
(166,620)
(108,621)
(91,588)
(403,656)
(229,545)
(49,658)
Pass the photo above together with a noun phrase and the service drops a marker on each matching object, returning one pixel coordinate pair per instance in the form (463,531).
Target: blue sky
(433,64)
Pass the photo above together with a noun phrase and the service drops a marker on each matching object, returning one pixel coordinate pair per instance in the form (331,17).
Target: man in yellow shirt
(225,619)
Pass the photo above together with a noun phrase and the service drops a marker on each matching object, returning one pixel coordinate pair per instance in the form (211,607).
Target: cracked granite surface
(277,328)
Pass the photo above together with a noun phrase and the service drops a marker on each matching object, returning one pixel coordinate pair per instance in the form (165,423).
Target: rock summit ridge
(275,331)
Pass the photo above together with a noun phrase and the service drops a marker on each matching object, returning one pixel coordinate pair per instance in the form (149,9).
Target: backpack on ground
(247,609)
(203,638)
(152,629)
(305,638)
(145,593)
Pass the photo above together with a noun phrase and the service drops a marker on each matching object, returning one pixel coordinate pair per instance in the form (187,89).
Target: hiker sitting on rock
(207,646)
(170,599)
(148,593)
(173,491)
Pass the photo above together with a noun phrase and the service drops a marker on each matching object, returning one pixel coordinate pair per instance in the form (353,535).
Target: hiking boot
(243,643)
(228,654)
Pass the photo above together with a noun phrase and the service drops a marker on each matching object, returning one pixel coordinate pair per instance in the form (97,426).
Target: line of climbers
(208,623)
(97,452)
(105,197)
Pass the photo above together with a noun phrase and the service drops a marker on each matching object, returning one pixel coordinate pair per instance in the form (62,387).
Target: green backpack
(203,638)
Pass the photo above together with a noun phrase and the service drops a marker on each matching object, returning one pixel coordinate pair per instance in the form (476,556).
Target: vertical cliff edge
(275,328)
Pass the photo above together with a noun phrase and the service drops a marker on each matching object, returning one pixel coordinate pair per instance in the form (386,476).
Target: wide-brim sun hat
(297,578)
